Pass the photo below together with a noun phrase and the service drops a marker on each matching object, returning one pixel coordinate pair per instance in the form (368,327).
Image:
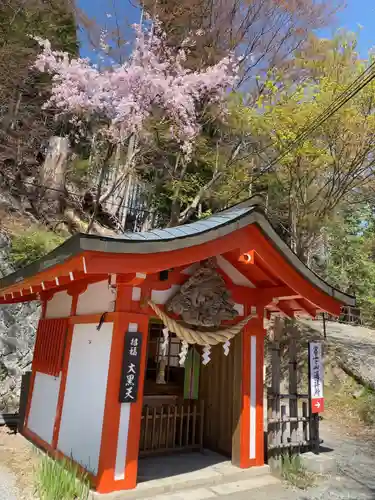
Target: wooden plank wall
(217,381)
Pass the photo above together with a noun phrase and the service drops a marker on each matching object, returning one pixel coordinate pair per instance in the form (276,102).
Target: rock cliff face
(17,336)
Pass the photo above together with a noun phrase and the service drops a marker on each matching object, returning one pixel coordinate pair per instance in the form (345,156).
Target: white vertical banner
(316,376)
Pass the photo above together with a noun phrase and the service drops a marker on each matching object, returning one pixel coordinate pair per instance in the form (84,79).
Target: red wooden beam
(285,309)
(291,276)
(307,307)
(247,265)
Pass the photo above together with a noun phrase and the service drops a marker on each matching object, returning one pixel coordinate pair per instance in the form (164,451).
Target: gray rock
(17,337)
(354,347)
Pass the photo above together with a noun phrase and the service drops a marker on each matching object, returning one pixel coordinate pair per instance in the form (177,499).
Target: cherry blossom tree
(119,100)
(153,79)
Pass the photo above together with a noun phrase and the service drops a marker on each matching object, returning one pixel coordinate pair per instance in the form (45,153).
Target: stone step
(222,490)
(214,481)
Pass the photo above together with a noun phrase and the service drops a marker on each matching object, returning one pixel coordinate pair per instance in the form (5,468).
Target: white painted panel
(122,440)
(59,306)
(253,395)
(85,392)
(162,296)
(136,293)
(233,273)
(43,406)
(98,298)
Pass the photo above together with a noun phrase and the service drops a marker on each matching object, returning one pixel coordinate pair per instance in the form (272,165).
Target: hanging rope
(196,337)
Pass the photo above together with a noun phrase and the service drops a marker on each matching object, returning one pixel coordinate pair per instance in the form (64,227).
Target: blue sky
(357,12)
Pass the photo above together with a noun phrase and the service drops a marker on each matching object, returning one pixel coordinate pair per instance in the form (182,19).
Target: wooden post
(284,426)
(324,326)
(305,436)
(293,401)
(25,387)
(275,461)
(274,439)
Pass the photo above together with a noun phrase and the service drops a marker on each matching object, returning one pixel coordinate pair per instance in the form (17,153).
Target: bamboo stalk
(187,425)
(167,430)
(181,424)
(174,426)
(160,427)
(153,429)
(202,425)
(194,423)
(146,428)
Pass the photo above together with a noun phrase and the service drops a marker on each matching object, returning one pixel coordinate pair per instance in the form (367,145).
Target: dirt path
(8,489)
(17,461)
(355,479)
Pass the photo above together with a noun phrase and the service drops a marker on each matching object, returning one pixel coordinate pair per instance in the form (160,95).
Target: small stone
(358,393)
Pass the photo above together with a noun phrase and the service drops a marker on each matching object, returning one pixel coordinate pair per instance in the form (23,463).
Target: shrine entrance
(174,323)
(186,408)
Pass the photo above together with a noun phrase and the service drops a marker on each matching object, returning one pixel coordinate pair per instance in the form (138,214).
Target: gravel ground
(8,489)
(355,478)
(356,468)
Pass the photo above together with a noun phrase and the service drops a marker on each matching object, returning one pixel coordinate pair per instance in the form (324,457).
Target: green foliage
(60,480)
(366,409)
(32,244)
(333,163)
(295,473)
(350,263)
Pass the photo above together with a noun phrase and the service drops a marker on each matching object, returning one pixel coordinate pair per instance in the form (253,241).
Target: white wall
(97,298)
(83,410)
(253,395)
(59,305)
(162,296)
(43,406)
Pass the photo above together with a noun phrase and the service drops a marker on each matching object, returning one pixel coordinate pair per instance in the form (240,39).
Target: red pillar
(126,447)
(251,420)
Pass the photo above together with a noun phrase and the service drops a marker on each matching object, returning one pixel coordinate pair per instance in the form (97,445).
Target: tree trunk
(52,175)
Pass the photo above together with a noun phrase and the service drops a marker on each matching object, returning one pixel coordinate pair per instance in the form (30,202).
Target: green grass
(341,403)
(295,473)
(60,480)
(32,244)
(366,407)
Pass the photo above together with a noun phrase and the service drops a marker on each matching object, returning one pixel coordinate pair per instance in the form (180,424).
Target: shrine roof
(143,246)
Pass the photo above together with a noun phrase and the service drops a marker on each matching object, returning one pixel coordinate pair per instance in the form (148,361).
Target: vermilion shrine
(153,342)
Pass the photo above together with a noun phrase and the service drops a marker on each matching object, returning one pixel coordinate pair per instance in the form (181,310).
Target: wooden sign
(316,377)
(130,367)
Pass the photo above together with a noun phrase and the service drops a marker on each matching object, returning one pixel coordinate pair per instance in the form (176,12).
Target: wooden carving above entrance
(203,300)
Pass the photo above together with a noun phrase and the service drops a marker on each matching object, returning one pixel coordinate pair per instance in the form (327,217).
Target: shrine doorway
(189,407)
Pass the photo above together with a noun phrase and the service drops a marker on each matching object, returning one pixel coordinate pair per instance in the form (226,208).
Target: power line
(71,193)
(354,88)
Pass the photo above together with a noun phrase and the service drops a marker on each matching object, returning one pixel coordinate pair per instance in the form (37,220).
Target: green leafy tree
(350,265)
(336,162)
(24,124)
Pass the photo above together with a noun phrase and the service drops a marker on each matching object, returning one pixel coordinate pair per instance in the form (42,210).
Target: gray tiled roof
(200,226)
(171,239)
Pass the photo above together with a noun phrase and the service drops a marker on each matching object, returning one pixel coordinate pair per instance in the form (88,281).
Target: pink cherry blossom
(154,77)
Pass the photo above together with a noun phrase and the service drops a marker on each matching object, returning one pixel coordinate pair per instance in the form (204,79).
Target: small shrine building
(153,342)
